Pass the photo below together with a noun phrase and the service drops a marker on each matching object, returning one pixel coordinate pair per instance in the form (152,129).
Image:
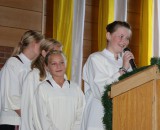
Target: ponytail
(26,39)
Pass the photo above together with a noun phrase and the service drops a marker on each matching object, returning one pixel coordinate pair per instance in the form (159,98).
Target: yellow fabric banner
(62,28)
(106,16)
(146,38)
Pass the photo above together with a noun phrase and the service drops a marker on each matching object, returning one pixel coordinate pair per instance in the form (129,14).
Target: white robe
(101,69)
(59,108)
(31,82)
(13,74)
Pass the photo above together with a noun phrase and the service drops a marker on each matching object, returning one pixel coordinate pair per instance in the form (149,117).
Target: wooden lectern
(136,101)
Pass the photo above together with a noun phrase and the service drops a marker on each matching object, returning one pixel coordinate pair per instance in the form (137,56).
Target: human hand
(126,58)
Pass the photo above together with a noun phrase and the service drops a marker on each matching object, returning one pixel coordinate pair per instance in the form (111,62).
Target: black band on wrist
(123,69)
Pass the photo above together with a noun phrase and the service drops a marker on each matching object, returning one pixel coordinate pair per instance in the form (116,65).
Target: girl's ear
(46,67)
(44,53)
(108,36)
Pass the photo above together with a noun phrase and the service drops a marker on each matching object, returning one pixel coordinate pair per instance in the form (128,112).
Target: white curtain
(77,40)
(156,29)
(120,12)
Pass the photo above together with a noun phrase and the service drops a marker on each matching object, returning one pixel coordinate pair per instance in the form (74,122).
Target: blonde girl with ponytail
(13,74)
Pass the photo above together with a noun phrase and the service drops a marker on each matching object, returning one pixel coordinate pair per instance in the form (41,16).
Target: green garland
(107,101)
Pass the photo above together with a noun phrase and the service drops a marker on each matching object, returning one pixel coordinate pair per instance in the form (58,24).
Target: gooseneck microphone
(131,61)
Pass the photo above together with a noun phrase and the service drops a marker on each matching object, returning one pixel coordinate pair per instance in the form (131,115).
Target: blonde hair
(39,61)
(55,52)
(55,42)
(28,37)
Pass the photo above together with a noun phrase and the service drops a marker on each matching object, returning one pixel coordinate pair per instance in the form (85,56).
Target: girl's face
(36,48)
(56,65)
(118,40)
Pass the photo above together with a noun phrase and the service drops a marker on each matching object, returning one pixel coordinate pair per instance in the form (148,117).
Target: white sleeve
(80,109)
(98,75)
(30,83)
(11,89)
(42,110)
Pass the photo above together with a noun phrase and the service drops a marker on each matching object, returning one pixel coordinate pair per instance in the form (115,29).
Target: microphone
(131,61)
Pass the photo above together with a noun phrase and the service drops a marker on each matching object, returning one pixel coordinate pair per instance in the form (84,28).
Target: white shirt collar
(110,54)
(55,85)
(25,59)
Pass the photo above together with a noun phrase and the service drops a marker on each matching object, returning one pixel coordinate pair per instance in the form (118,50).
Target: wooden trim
(49,18)
(135,81)
(154,106)
(158,104)
(43,16)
